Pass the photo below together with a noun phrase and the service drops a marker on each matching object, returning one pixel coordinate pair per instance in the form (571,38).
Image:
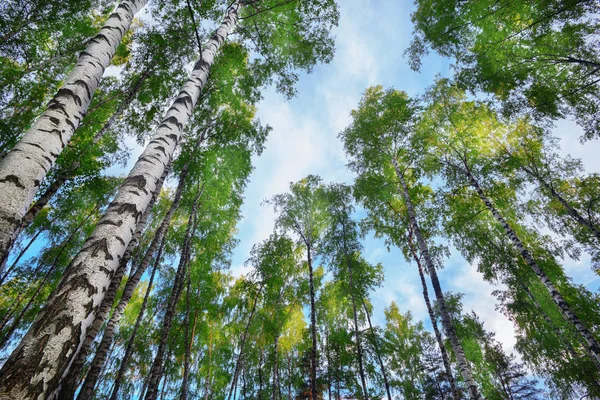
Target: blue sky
(370,42)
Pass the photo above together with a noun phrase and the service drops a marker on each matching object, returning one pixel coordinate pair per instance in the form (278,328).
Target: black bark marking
(120,240)
(161,149)
(109,222)
(84,84)
(35,145)
(55,105)
(126,7)
(100,36)
(64,92)
(186,101)
(97,246)
(54,120)
(137,181)
(115,15)
(14,180)
(174,121)
(122,208)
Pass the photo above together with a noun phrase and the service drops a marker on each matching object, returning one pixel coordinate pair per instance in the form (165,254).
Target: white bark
(47,350)
(461,360)
(25,166)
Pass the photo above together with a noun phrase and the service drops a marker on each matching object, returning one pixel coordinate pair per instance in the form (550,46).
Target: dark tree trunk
(313,326)
(378,354)
(238,362)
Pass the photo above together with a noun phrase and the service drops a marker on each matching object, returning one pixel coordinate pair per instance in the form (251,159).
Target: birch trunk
(436,330)
(187,356)
(138,322)
(71,171)
(592,347)
(313,327)
(47,350)
(276,389)
(107,339)
(378,354)
(25,166)
(156,369)
(361,369)
(238,362)
(573,213)
(69,384)
(463,364)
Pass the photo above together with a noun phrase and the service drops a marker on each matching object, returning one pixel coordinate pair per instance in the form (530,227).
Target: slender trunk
(592,348)
(186,362)
(25,166)
(71,171)
(275,367)
(132,282)
(82,288)
(313,327)
(207,381)
(463,364)
(238,362)
(69,384)
(436,330)
(260,374)
(378,354)
(290,375)
(156,369)
(357,334)
(138,322)
(580,219)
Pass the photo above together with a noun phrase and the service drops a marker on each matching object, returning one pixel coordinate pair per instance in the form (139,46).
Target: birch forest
(300,199)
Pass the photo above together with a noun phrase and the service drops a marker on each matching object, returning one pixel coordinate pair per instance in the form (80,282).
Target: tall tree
(303,212)
(25,166)
(377,144)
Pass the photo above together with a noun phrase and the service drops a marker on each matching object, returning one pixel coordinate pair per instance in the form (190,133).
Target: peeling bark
(47,350)
(463,364)
(25,166)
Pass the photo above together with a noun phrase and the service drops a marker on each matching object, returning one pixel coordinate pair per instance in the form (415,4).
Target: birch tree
(25,166)
(377,145)
(303,212)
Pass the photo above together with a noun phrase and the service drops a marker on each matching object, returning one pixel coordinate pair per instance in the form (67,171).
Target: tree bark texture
(46,351)
(67,175)
(69,384)
(25,166)
(155,248)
